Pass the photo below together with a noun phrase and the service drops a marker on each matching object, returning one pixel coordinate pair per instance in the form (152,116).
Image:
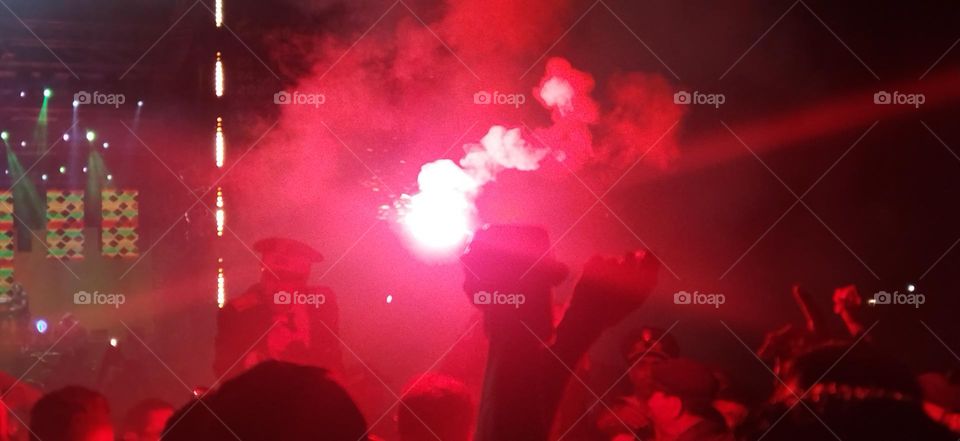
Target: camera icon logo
(682,298)
(882,298)
(282,298)
(82,97)
(482,97)
(82,298)
(281,97)
(882,97)
(482,298)
(682,97)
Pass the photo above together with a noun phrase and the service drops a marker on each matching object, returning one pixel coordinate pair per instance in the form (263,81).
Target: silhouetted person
(628,415)
(435,406)
(145,420)
(71,414)
(510,275)
(279,318)
(856,394)
(272,401)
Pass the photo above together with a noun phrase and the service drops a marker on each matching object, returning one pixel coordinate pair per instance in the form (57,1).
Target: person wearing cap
(280,317)
(510,275)
(681,403)
(628,415)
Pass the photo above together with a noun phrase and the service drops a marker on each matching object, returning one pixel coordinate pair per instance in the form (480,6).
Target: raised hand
(612,287)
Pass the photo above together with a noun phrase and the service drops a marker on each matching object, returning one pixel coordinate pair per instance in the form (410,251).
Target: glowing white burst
(440,216)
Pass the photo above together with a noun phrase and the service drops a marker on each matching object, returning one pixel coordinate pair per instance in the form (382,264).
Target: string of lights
(219,156)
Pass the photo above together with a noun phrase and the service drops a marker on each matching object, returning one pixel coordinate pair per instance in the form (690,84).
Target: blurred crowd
(538,380)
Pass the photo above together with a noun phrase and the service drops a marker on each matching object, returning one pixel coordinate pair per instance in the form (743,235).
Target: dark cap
(288,247)
(686,379)
(650,342)
(509,249)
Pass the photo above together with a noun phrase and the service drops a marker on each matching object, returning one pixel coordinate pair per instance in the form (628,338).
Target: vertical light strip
(219,155)
(219,144)
(218,13)
(220,212)
(218,76)
(221,285)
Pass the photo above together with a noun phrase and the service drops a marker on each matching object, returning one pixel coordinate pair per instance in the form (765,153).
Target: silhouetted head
(286,262)
(71,414)
(682,389)
(643,349)
(272,401)
(435,406)
(145,420)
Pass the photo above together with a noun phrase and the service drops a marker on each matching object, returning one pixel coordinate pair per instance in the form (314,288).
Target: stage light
(218,77)
(76,103)
(911,287)
(47,93)
(84,169)
(113,341)
(63,169)
(91,135)
(221,288)
(220,213)
(109,177)
(106,145)
(41,326)
(66,136)
(23,93)
(23,143)
(219,144)
(43,176)
(389,298)
(218,13)
(4,135)
(140,103)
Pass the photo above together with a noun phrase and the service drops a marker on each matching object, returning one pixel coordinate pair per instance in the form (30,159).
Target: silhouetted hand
(847,303)
(846,299)
(613,287)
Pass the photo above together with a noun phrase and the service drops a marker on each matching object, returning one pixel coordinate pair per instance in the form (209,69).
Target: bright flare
(440,217)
